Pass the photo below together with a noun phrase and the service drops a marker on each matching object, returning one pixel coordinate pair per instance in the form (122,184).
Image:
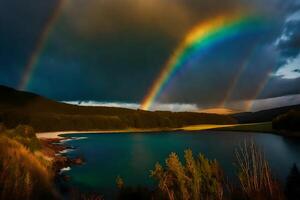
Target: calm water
(131,156)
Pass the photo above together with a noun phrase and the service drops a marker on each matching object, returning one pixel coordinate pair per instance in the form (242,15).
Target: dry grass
(196,178)
(22,174)
(201,127)
(255,175)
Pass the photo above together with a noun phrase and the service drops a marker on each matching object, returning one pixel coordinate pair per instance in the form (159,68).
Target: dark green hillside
(43,114)
(263,115)
(12,99)
(289,121)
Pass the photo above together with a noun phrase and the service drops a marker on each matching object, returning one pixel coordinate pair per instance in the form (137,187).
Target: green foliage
(197,178)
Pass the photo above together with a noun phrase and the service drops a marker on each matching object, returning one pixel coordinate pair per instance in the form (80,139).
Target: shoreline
(57,134)
(201,127)
(261,127)
(55,149)
(61,161)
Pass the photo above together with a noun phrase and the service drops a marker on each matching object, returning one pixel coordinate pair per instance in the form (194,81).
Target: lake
(131,156)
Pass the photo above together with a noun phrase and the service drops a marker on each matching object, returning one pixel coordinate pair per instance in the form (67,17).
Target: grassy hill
(17,107)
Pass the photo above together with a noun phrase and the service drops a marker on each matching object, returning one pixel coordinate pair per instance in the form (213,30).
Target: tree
(292,188)
(289,121)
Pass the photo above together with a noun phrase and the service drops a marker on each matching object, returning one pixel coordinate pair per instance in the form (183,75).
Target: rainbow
(236,78)
(41,40)
(200,39)
(259,89)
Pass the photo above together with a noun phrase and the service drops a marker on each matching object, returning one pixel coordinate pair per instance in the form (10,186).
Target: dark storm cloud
(119,46)
(286,77)
(95,19)
(210,79)
(252,81)
(277,87)
(172,18)
(118,68)
(288,44)
(296,70)
(20,24)
(263,104)
(289,41)
(113,50)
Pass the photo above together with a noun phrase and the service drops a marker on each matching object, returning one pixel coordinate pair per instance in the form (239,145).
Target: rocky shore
(54,148)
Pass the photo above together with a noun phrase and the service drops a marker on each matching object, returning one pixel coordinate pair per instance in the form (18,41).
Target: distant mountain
(17,107)
(263,115)
(26,101)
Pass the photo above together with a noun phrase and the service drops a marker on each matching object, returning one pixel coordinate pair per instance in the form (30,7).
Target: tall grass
(202,179)
(22,174)
(254,173)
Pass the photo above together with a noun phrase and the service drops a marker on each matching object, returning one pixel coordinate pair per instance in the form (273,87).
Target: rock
(65,178)
(78,161)
(60,162)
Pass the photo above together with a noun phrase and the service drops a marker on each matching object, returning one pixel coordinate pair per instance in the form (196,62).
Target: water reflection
(133,155)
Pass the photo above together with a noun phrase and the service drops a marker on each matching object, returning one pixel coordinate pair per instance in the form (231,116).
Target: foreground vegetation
(196,179)
(199,178)
(29,168)
(24,171)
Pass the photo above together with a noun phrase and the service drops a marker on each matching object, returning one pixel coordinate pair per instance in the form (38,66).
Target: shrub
(25,131)
(289,121)
(22,175)
(23,134)
(197,178)
(132,193)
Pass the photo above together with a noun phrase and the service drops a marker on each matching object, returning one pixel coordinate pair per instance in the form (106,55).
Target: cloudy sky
(109,52)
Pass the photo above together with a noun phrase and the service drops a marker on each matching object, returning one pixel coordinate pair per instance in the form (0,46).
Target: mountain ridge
(263,115)
(19,107)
